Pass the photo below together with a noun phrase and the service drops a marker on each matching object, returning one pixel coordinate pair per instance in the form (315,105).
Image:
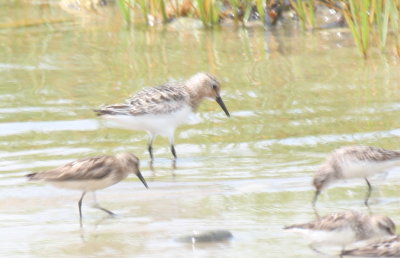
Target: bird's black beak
(139,175)
(222,105)
(314,201)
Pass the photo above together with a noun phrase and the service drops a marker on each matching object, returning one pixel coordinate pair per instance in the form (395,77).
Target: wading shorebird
(159,110)
(354,162)
(344,228)
(389,247)
(91,174)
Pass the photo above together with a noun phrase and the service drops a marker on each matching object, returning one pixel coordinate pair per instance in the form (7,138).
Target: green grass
(370,19)
(208,12)
(372,23)
(358,17)
(305,10)
(125,8)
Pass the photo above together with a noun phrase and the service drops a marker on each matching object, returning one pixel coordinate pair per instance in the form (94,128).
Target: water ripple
(331,138)
(40,66)
(16,128)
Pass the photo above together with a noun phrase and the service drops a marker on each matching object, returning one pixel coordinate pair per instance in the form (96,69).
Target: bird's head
(323,177)
(384,225)
(205,85)
(131,163)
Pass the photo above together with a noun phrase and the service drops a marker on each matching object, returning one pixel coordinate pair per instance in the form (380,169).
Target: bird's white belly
(367,168)
(162,124)
(335,237)
(85,185)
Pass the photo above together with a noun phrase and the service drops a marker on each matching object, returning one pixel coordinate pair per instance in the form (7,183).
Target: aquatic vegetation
(395,23)
(208,12)
(372,23)
(369,19)
(305,11)
(358,17)
(382,13)
(125,8)
(260,9)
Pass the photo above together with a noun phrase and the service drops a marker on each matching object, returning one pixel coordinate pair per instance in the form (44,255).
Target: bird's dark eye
(214,86)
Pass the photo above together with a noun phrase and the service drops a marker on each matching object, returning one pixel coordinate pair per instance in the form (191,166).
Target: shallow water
(293,98)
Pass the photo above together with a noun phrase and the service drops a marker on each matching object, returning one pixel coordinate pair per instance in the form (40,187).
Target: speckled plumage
(162,99)
(159,110)
(339,157)
(354,162)
(363,225)
(166,98)
(91,168)
(389,247)
(91,174)
(346,227)
(108,168)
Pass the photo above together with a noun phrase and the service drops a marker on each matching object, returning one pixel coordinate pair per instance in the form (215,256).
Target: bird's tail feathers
(31,176)
(120,109)
(100,112)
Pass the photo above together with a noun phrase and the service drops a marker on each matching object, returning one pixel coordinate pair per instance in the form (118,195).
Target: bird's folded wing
(156,100)
(331,222)
(371,153)
(84,169)
(382,248)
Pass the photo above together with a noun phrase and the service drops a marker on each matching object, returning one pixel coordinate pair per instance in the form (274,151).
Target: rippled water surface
(293,98)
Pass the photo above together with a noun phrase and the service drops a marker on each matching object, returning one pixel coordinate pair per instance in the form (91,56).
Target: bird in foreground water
(354,162)
(159,110)
(388,247)
(344,228)
(91,174)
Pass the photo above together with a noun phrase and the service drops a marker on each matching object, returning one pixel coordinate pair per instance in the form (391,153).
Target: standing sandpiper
(91,174)
(159,110)
(344,228)
(354,162)
(388,247)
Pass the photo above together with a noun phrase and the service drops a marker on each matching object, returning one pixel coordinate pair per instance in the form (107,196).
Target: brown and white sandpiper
(343,228)
(387,247)
(354,162)
(159,110)
(91,174)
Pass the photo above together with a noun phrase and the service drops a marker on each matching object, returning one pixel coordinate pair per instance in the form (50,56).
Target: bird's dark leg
(316,212)
(173,166)
(80,208)
(173,151)
(171,141)
(150,149)
(97,206)
(368,193)
(314,200)
(341,252)
(151,163)
(313,247)
(150,146)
